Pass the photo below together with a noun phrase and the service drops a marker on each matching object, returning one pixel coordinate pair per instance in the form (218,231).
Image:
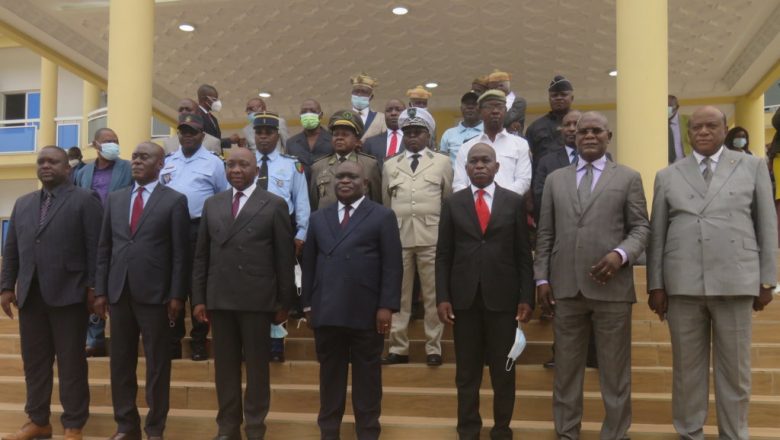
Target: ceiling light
(400,10)
(264,95)
(431,85)
(186,27)
(613,73)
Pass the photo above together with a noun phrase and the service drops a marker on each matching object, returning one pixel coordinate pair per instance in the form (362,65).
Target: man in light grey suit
(592,228)
(711,262)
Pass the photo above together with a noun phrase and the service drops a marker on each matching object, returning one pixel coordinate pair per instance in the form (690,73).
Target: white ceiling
(297,49)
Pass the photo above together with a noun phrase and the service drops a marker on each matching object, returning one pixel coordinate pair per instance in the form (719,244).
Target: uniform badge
(299,167)
(166,178)
(412,112)
(279,182)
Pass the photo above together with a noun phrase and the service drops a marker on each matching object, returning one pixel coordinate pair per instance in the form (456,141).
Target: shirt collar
(271,156)
(479,126)
(598,164)
(204,109)
(363,113)
(714,158)
(569,151)
(248,191)
(500,134)
(398,132)
(490,189)
(354,204)
(421,152)
(149,187)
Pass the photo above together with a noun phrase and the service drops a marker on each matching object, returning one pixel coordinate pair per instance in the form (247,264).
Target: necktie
(236,203)
(342,159)
(707,173)
(573,157)
(138,209)
(483,212)
(345,220)
(393,144)
(263,173)
(45,205)
(587,181)
(415,161)
(672,153)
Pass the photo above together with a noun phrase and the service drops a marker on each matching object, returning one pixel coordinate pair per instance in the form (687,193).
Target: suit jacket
(246,263)
(497,263)
(350,273)
(716,240)
(377,146)
(171,144)
(572,237)
(298,146)
(323,179)
(377,126)
(416,196)
(120,176)
(61,252)
(210,123)
(154,261)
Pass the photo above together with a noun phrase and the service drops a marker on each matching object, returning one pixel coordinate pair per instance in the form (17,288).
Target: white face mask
(670,111)
(73,162)
(216,106)
(739,142)
(517,349)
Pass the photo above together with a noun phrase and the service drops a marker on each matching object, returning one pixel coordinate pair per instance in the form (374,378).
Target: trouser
(694,323)
(424,258)
(199,329)
(46,332)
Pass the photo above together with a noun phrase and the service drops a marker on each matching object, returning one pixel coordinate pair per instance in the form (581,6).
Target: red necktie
(483,212)
(393,144)
(236,203)
(345,220)
(138,209)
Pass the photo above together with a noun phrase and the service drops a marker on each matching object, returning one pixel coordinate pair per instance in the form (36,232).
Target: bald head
(595,116)
(187,106)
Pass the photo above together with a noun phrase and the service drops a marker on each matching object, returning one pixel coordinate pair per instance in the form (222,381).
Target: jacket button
(37,241)
(132,241)
(483,241)
(240,267)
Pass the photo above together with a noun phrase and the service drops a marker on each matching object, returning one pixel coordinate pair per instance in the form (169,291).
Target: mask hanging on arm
(310,121)
(360,102)
(109,151)
(517,349)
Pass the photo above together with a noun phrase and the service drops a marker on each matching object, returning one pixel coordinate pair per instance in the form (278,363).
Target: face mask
(216,106)
(310,121)
(251,117)
(740,142)
(278,331)
(517,348)
(73,162)
(360,102)
(669,111)
(109,151)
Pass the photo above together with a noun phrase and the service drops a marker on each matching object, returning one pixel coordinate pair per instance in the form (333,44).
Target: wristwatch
(768,286)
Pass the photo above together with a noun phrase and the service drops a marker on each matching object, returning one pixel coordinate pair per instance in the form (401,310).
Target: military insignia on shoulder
(166,178)
(299,167)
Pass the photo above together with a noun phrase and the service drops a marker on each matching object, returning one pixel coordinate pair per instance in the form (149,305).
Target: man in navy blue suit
(351,286)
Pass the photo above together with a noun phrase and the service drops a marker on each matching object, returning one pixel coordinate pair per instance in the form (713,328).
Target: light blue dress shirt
(456,136)
(286,181)
(198,177)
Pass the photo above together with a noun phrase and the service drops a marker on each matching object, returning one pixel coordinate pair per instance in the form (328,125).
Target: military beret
(347,118)
(560,84)
(192,120)
(492,95)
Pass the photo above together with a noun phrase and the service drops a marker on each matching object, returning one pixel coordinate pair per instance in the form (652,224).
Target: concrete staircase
(420,402)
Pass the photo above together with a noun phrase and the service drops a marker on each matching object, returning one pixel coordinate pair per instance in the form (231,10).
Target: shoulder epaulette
(289,156)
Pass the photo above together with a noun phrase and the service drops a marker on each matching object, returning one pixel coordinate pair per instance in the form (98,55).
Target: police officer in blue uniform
(198,174)
(283,176)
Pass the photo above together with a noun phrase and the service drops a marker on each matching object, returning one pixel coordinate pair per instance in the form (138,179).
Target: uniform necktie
(138,209)
(707,173)
(587,181)
(45,205)
(573,157)
(345,220)
(237,203)
(393,145)
(415,161)
(264,172)
(342,159)
(483,212)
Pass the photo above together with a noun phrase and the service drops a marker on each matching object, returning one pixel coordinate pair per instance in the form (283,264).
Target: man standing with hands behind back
(711,201)
(484,286)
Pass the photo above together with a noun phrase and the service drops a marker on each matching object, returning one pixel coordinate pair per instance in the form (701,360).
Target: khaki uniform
(416,198)
(323,179)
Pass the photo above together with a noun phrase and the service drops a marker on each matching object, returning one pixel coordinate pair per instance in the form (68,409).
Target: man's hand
(544,296)
(446,315)
(280,316)
(763,299)
(100,307)
(298,247)
(524,312)
(91,300)
(200,313)
(383,317)
(605,269)
(175,305)
(658,302)
(7,298)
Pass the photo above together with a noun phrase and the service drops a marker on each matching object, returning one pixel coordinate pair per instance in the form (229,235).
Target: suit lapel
(253,205)
(154,198)
(355,219)
(726,165)
(570,183)
(57,202)
(123,210)
(606,176)
(498,200)
(471,209)
(690,172)
(563,158)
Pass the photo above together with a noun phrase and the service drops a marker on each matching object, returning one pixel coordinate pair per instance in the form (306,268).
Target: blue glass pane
(33,105)
(17,139)
(68,135)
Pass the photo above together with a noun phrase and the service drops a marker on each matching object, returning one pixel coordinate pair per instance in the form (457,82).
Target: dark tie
(345,220)
(707,173)
(342,159)
(587,181)
(236,203)
(138,209)
(573,158)
(45,205)
(483,212)
(264,173)
(672,151)
(415,161)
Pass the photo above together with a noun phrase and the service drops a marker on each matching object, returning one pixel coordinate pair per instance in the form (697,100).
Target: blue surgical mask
(669,111)
(360,102)
(251,117)
(109,151)
(740,142)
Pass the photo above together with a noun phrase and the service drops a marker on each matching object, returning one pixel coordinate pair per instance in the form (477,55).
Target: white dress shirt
(363,113)
(148,189)
(247,193)
(512,153)
(490,190)
(510,99)
(569,152)
(714,159)
(354,206)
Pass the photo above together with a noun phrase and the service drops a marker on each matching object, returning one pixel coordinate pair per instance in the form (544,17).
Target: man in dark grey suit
(389,143)
(592,229)
(142,270)
(352,273)
(49,273)
(244,276)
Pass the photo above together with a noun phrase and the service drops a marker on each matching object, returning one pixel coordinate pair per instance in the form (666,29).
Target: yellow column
(90,101)
(642,87)
(130,69)
(750,115)
(47,133)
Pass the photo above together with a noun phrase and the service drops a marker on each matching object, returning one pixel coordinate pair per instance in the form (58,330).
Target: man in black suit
(352,273)
(244,276)
(389,143)
(484,285)
(208,104)
(142,271)
(49,273)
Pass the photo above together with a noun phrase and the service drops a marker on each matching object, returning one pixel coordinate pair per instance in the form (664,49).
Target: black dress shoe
(126,436)
(277,357)
(433,360)
(393,359)
(227,437)
(154,437)
(95,351)
(199,352)
(549,364)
